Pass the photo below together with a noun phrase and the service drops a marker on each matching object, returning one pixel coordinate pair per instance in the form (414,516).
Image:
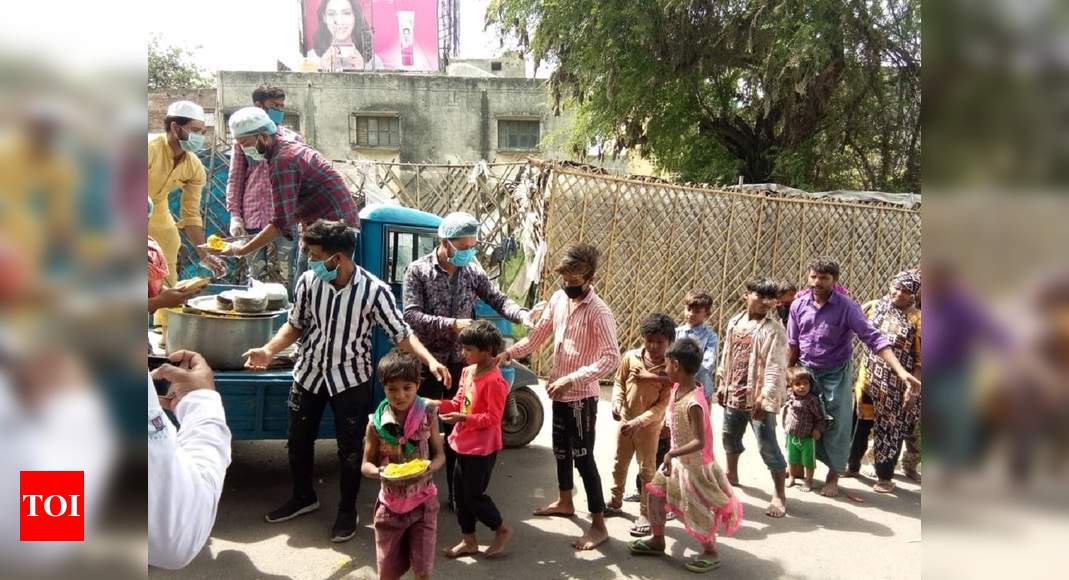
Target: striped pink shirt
(584,343)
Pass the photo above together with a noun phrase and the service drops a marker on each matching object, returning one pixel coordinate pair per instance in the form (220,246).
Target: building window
(495,66)
(517,134)
(375,130)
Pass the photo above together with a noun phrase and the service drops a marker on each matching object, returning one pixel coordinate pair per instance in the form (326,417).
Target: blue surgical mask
(276,115)
(319,267)
(461,258)
(192,143)
(252,153)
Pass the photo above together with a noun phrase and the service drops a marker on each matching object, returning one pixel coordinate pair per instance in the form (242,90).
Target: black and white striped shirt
(335,351)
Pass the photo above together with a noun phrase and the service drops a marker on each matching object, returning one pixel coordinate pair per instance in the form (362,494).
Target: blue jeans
(735,421)
(835,389)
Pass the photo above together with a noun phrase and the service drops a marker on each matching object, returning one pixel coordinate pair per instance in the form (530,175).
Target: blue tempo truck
(390,238)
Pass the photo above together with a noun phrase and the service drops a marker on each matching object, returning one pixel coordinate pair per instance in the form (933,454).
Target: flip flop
(641,548)
(703,564)
(854,498)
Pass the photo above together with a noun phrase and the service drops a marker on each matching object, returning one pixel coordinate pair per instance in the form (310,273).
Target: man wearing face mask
(335,308)
(305,186)
(249,198)
(440,290)
(173,164)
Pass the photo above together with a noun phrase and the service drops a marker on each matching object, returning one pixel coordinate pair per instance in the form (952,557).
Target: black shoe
(291,509)
(633,498)
(344,527)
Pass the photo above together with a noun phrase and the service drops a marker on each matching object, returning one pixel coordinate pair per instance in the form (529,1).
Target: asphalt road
(820,538)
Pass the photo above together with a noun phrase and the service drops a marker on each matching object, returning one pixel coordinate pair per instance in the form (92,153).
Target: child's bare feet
(593,538)
(557,508)
(733,479)
(501,537)
(467,547)
(830,489)
(807,485)
(790,481)
(777,508)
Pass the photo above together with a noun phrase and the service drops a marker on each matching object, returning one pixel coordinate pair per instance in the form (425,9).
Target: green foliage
(818,94)
(171,67)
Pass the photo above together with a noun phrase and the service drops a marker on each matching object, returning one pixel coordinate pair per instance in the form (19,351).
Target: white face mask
(252,153)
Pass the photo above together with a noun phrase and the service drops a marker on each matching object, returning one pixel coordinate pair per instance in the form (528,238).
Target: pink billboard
(349,35)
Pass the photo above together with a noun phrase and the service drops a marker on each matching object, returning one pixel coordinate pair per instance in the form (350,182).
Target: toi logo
(51,506)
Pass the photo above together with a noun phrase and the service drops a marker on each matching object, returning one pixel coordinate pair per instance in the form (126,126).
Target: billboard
(348,35)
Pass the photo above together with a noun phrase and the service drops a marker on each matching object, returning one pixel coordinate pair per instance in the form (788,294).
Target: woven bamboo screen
(659,241)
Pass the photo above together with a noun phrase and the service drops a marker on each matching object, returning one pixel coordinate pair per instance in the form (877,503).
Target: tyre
(520,427)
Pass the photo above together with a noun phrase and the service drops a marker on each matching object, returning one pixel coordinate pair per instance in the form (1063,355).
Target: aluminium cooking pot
(221,340)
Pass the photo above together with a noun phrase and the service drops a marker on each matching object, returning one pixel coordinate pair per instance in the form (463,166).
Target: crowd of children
(661,399)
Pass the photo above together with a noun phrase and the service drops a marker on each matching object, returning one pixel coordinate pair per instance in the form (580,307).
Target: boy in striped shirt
(584,350)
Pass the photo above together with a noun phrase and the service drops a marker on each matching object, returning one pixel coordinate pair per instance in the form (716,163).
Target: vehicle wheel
(526,422)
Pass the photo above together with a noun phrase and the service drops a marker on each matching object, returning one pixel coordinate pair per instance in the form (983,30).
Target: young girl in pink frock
(689,483)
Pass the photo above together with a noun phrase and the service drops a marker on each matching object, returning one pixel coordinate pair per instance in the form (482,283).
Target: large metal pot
(220,340)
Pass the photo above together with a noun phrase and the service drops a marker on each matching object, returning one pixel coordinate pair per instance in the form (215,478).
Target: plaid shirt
(434,300)
(803,415)
(248,187)
(307,187)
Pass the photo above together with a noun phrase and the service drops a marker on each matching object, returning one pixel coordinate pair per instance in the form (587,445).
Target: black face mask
(574,292)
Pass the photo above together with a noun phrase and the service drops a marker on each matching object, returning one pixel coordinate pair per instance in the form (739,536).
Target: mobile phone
(163,386)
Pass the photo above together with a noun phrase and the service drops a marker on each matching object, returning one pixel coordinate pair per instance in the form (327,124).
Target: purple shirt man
(824,334)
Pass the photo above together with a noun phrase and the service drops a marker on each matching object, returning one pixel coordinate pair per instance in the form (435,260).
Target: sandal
(641,548)
(613,512)
(703,564)
(640,530)
(883,487)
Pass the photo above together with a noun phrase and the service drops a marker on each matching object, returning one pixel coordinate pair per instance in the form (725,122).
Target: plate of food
(407,470)
(233,303)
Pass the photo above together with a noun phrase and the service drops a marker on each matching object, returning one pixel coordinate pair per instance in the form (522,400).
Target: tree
(171,67)
(817,94)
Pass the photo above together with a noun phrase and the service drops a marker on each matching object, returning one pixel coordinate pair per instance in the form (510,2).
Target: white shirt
(185,475)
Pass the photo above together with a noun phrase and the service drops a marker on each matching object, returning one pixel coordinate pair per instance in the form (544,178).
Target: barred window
(375,130)
(516,134)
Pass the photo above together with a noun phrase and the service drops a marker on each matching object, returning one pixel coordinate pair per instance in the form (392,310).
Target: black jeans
(351,408)
(431,388)
(470,480)
(663,445)
(573,442)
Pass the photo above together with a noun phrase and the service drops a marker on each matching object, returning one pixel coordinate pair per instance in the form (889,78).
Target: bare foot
(777,508)
(733,479)
(556,509)
(593,538)
(807,486)
(830,489)
(464,548)
(913,475)
(790,482)
(883,486)
(501,537)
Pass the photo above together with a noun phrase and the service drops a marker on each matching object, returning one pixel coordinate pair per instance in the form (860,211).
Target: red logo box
(51,506)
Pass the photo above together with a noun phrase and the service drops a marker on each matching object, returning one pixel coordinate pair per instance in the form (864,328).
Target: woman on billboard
(342,39)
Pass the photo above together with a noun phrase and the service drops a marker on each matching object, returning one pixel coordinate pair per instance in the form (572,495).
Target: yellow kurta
(27,178)
(165,176)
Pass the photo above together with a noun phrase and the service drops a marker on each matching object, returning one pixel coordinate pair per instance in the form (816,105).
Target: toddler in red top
(477,411)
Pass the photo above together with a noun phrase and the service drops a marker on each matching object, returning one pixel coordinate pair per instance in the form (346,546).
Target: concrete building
(410,118)
(158,102)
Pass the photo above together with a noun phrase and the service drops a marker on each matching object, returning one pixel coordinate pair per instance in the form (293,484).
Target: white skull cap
(251,120)
(187,109)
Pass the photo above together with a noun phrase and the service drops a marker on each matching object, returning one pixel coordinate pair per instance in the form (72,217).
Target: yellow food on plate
(400,470)
(216,243)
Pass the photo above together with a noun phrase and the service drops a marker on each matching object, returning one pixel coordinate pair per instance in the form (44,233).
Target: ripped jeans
(351,408)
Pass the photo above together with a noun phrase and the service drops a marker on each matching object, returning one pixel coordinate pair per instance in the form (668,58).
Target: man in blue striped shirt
(336,305)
